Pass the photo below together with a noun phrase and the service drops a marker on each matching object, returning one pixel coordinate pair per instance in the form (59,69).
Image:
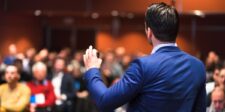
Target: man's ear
(149,33)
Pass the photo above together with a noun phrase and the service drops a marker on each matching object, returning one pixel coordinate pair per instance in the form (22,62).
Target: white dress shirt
(162,45)
(56,82)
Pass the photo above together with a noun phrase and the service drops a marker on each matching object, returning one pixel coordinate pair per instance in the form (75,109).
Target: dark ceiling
(104,7)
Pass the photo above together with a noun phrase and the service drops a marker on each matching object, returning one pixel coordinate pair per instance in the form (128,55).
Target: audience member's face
(30,53)
(77,72)
(78,56)
(222,77)
(11,74)
(109,57)
(12,49)
(218,100)
(59,65)
(39,73)
(216,75)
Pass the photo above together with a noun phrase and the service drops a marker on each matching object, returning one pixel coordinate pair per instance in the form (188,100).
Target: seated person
(43,97)
(63,86)
(14,96)
(217,97)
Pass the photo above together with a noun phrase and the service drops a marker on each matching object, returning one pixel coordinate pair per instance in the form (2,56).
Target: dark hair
(163,21)
(59,58)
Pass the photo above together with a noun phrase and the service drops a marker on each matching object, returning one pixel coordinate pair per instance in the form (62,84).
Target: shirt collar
(162,45)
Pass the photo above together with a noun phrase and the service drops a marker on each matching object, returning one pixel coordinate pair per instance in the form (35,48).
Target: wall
(136,42)
(24,31)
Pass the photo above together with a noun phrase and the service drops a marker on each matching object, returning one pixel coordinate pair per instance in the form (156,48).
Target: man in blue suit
(168,80)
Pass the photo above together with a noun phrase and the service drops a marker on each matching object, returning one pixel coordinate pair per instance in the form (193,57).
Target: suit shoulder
(194,59)
(149,60)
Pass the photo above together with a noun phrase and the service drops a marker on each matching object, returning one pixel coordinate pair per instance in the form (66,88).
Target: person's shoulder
(24,87)
(3,86)
(194,59)
(146,62)
(151,59)
(29,83)
(145,58)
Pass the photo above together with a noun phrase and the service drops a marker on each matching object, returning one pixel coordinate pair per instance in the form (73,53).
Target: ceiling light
(37,12)
(114,13)
(94,15)
(199,13)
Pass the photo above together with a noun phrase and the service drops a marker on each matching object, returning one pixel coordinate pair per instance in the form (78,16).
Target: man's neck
(12,85)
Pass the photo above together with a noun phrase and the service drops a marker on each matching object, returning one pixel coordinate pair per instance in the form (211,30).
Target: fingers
(94,53)
(99,61)
(91,59)
(84,58)
(89,52)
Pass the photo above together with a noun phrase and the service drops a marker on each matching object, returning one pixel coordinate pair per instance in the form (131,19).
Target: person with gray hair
(218,100)
(43,97)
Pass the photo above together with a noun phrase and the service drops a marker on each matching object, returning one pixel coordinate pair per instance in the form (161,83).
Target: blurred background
(56,24)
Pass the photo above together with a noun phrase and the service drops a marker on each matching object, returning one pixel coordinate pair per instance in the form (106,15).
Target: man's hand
(90,59)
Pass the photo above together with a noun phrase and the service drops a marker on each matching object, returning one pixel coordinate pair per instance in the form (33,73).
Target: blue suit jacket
(167,81)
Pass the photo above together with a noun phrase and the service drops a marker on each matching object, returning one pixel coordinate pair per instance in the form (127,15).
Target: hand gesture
(90,59)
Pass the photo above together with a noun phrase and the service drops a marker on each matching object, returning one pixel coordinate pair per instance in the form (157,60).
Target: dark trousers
(65,107)
(46,109)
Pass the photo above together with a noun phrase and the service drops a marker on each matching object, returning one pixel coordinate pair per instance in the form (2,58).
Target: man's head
(163,21)
(59,64)
(221,78)
(218,99)
(11,74)
(39,70)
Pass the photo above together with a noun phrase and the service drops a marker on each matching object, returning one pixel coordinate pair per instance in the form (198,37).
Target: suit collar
(156,48)
(168,49)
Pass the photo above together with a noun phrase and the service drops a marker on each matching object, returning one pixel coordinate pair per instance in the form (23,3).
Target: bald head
(218,98)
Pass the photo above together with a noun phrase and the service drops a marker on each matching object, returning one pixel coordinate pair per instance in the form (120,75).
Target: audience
(14,95)
(55,83)
(42,92)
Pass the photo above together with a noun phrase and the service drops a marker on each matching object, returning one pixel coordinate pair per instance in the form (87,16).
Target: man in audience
(43,97)
(219,81)
(218,101)
(12,54)
(28,60)
(63,87)
(14,95)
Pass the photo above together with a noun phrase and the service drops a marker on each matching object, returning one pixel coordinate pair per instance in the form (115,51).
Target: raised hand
(90,59)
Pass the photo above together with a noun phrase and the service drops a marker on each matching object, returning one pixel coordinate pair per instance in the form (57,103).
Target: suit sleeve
(200,102)
(107,99)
